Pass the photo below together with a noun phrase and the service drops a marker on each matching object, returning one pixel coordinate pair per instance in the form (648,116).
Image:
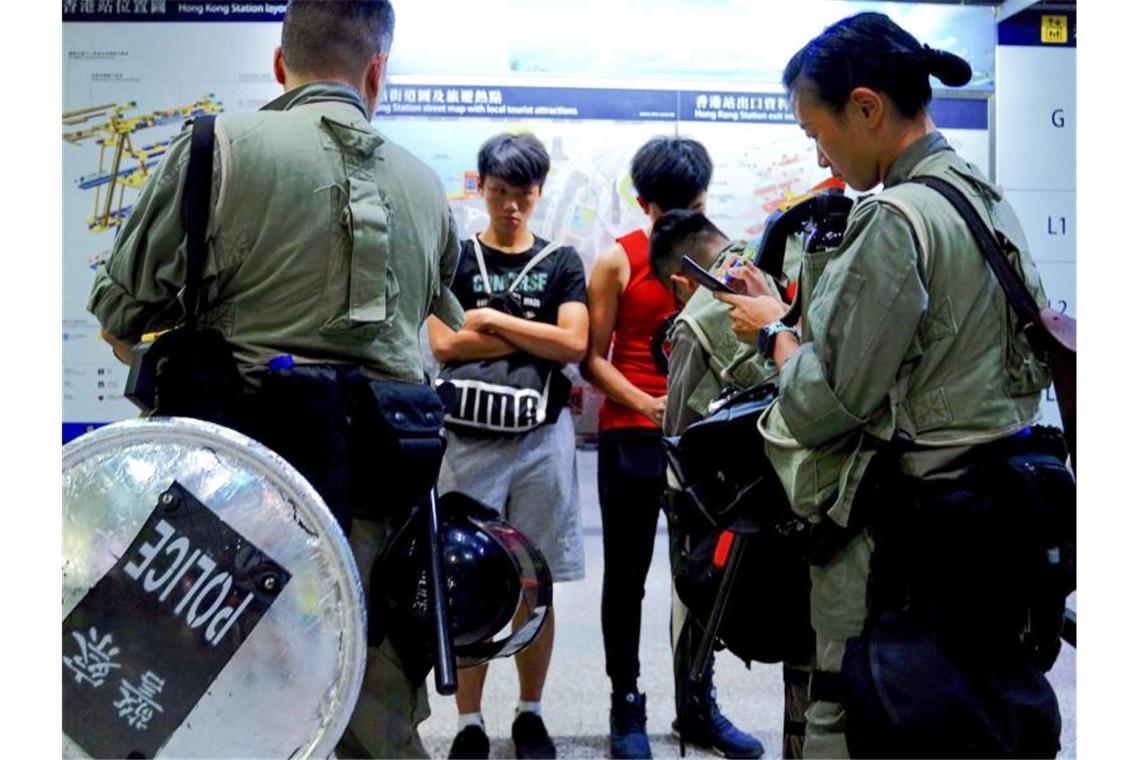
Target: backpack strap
(482,264)
(1015,290)
(550,248)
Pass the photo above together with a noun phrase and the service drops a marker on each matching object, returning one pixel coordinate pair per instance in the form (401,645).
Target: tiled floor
(576,701)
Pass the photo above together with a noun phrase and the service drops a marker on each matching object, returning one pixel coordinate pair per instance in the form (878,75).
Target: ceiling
(1045,5)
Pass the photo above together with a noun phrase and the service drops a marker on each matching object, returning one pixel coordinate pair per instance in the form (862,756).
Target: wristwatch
(766,339)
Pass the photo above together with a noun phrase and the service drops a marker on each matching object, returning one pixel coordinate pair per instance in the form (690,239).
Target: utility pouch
(301,415)
(944,666)
(719,457)
(396,443)
(1032,474)
(371,448)
(988,557)
(952,553)
(728,494)
(190,372)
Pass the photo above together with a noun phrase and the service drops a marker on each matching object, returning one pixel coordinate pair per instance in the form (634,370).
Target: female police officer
(906,334)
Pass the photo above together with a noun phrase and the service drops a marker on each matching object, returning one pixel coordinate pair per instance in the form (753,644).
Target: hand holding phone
(703,276)
(751,281)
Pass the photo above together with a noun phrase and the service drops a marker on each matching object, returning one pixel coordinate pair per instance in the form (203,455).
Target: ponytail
(870,50)
(950,69)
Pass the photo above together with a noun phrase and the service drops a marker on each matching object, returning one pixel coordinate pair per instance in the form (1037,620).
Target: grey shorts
(532,481)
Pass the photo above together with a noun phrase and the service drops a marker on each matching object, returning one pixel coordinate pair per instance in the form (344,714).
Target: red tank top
(645,305)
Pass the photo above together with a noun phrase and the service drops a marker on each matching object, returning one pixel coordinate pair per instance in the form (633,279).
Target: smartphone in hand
(704,276)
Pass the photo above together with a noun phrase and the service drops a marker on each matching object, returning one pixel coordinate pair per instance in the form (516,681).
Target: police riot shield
(211,605)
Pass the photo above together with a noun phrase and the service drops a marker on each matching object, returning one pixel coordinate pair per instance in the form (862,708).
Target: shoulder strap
(196,209)
(1015,290)
(482,264)
(550,248)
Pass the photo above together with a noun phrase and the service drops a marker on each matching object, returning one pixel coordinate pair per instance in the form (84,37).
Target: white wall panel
(1049,218)
(1036,115)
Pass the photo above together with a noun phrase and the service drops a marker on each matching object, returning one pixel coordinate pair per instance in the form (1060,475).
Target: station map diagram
(120,110)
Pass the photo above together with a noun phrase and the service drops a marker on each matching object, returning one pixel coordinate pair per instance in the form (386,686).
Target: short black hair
(520,160)
(678,233)
(671,172)
(335,37)
(870,50)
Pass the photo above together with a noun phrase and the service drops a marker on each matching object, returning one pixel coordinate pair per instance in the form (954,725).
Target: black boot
(702,724)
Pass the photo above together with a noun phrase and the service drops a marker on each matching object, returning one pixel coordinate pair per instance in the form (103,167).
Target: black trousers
(631,483)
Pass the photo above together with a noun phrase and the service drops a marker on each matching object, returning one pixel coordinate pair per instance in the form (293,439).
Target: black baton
(445,680)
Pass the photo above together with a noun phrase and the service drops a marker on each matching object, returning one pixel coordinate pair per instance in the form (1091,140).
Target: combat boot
(702,724)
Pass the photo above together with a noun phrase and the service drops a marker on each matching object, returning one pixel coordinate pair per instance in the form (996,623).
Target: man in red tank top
(630,313)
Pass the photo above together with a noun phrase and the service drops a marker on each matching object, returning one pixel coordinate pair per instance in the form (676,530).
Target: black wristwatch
(766,339)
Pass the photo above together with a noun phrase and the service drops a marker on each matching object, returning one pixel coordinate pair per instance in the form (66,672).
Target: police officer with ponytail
(903,425)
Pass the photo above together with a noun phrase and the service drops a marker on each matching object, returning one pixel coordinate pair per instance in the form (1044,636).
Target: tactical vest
(731,363)
(969,376)
(332,254)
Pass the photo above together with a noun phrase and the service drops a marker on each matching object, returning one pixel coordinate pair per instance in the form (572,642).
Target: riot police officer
(906,344)
(328,245)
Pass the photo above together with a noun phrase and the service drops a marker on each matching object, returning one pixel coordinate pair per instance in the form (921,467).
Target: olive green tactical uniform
(905,330)
(327,242)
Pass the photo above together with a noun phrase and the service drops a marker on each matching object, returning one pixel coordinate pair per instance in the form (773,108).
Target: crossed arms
(489,334)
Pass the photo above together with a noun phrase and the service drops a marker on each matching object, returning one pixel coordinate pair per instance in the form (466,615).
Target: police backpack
(729,494)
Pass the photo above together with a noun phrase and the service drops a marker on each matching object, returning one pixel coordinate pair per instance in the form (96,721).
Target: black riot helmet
(492,571)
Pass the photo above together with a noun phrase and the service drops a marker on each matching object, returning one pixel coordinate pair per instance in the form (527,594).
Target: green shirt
(326,241)
(905,330)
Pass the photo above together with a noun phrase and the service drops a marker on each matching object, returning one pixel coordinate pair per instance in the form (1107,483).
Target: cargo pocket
(939,323)
(1026,374)
(929,411)
(810,476)
(364,297)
